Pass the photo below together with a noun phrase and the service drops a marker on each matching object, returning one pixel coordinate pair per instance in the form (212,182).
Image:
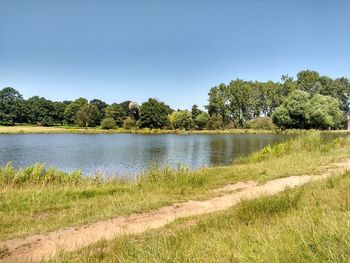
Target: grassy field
(307,224)
(36,200)
(28,129)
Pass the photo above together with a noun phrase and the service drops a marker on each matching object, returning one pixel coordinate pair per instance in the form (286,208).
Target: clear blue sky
(174,50)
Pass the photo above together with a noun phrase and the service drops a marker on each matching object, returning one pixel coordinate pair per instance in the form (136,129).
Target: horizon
(135,51)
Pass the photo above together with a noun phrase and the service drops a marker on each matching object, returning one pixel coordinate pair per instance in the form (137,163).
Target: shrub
(108,123)
(129,123)
(261,123)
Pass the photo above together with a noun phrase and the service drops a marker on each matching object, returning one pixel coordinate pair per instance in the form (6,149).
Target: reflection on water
(127,154)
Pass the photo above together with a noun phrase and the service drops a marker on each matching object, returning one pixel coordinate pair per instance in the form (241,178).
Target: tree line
(309,101)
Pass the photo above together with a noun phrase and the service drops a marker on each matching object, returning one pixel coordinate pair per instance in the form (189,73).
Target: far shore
(32,129)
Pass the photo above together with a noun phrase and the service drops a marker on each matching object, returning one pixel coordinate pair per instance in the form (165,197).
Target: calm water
(127,154)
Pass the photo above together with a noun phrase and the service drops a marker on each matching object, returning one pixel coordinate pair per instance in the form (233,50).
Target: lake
(128,154)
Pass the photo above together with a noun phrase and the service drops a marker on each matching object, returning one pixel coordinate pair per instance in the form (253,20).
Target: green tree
(202,120)
(296,105)
(154,114)
(45,112)
(307,81)
(72,109)
(87,115)
(129,123)
(281,118)
(100,105)
(215,122)
(195,111)
(323,112)
(11,105)
(108,123)
(116,112)
(181,120)
(219,103)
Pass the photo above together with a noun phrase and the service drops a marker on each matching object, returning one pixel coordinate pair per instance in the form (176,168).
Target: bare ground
(43,246)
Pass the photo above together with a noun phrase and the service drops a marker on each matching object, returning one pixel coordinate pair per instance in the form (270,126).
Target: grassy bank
(27,129)
(35,199)
(308,224)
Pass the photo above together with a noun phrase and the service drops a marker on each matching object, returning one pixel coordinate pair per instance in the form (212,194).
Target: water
(127,154)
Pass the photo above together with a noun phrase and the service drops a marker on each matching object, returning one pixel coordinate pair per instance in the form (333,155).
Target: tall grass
(308,224)
(62,199)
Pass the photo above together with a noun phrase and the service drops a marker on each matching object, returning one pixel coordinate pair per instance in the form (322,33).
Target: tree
(129,123)
(11,105)
(242,98)
(72,109)
(45,112)
(260,123)
(100,105)
(125,107)
(195,111)
(154,114)
(87,115)
(323,112)
(294,107)
(202,120)
(134,110)
(181,120)
(218,102)
(215,122)
(281,118)
(307,80)
(116,112)
(108,123)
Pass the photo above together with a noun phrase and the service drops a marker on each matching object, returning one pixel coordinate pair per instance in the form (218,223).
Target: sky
(173,50)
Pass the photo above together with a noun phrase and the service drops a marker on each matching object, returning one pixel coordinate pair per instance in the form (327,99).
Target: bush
(129,123)
(108,123)
(261,123)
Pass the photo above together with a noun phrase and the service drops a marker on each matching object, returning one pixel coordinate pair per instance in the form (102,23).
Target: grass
(307,224)
(36,199)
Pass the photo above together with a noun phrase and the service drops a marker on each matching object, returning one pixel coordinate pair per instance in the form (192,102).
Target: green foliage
(181,120)
(202,120)
(11,105)
(87,116)
(44,112)
(100,105)
(215,122)
(129,123)
(299,111)
(195,111)
(154,114)
(116,112)
(37,174)
(237,103)
(323,112)
(308,81)
(72,109)
(261,123)
(108,123)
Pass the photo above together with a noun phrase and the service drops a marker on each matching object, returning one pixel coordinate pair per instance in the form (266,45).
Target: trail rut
(43,246)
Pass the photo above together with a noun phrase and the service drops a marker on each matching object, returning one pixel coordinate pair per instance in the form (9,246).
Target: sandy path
(43,246)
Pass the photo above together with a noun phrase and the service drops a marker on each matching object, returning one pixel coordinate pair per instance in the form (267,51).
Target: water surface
(127,154)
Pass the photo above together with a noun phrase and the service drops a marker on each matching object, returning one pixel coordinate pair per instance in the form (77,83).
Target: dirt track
(44,246)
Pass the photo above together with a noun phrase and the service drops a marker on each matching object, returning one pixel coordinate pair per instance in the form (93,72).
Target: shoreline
(27,129)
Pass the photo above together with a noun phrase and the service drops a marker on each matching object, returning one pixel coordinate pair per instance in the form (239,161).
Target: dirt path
(43,246)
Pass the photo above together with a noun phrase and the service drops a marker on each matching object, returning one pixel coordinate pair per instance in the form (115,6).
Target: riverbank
(306,224)
(61,199)
(47,245)
(27,129)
